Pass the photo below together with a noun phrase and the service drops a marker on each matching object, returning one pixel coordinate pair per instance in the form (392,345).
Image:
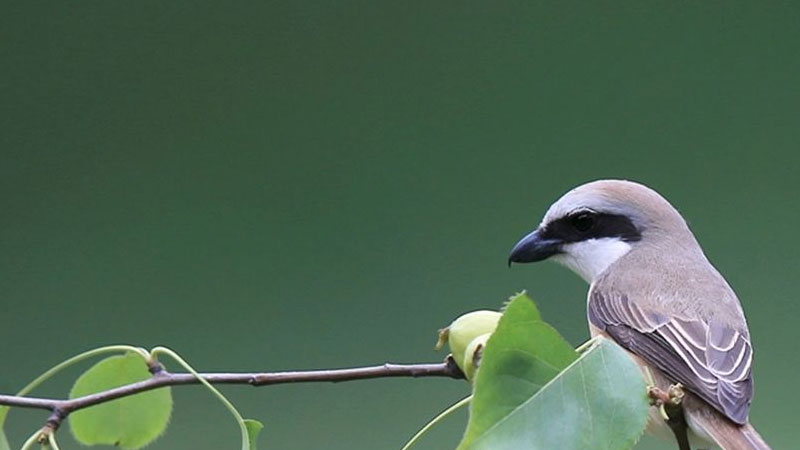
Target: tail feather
(740,437)
(753,438)
(708,428)
(722,432)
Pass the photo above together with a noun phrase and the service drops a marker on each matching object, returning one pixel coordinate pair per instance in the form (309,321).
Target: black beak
(532,248)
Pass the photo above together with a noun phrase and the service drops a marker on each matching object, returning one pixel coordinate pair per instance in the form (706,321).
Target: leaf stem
(78,358)
(33,440)
(239,419)
(587,345)
(51,440)
(453,408)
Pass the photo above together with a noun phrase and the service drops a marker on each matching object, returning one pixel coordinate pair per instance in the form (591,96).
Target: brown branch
(161,378)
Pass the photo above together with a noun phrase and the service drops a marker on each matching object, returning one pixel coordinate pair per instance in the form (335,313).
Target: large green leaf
(597,402)
(530,311)
(3,441)
(521,356)
(130,422)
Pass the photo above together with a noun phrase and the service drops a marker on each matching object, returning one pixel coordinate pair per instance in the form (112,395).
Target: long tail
(753,438)
(743,437)
(724,433)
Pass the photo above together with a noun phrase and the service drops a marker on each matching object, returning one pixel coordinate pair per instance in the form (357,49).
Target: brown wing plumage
(709,358)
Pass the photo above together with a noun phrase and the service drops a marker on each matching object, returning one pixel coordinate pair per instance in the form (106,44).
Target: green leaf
(531,311)
(598,402)
(54,370)
(3,441)
(253,429)
(130,422)
(521,356)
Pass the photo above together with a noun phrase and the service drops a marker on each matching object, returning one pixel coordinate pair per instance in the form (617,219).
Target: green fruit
(472,355)
(466,328)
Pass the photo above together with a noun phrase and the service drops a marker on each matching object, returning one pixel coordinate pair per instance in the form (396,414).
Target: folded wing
(709,358)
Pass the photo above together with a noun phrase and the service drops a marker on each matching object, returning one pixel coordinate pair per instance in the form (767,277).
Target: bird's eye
(583,222)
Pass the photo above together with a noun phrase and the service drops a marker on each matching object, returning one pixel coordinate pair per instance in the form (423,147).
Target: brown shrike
(654,292)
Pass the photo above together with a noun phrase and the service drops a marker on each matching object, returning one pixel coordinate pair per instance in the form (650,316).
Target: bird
(653,291)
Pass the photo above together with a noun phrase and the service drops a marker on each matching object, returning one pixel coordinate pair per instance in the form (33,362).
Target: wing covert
(709,358)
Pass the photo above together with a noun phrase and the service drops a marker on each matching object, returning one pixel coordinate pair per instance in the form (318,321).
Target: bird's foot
(672,396)
(657,395)
(676,394)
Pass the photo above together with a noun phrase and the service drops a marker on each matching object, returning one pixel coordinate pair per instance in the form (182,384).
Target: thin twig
(161,378)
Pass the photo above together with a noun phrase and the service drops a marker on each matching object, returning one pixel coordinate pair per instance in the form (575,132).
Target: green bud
(473,354)
(466,328)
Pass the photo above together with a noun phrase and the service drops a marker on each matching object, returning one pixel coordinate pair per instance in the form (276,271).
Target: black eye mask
(585,225)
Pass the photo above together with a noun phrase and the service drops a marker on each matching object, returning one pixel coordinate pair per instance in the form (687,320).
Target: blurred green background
(286,185)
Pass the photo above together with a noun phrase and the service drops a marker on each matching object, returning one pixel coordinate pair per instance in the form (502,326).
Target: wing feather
(710,358)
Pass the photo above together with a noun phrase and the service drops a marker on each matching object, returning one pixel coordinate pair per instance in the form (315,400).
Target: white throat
(592,257)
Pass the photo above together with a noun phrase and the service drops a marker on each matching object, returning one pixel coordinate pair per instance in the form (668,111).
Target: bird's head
(592,226)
